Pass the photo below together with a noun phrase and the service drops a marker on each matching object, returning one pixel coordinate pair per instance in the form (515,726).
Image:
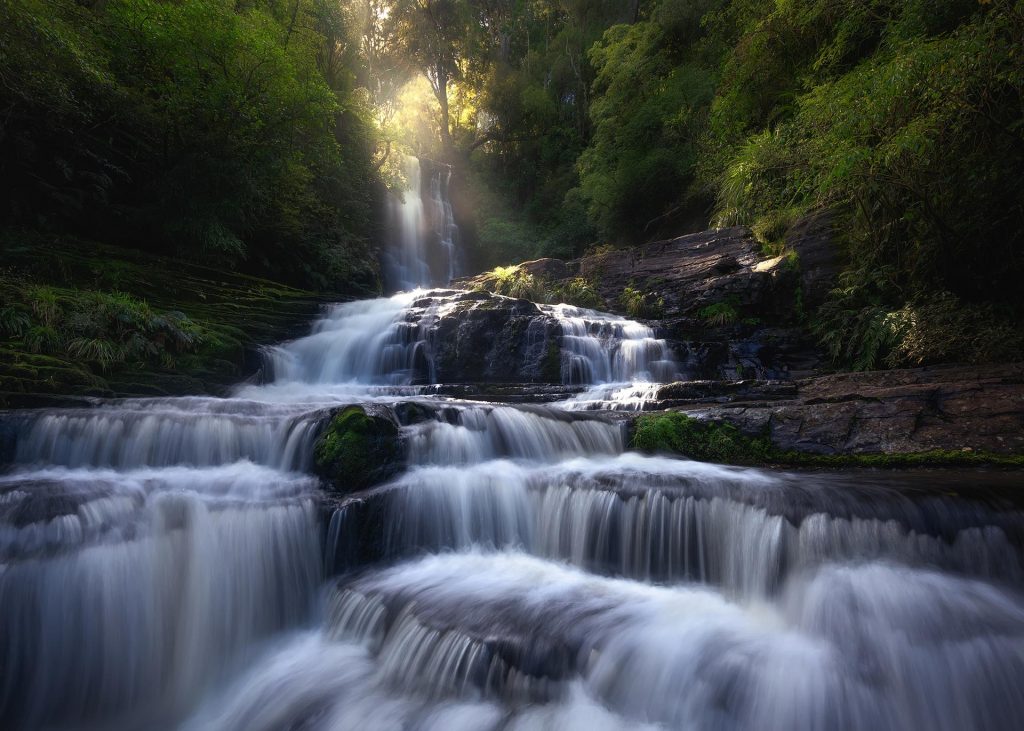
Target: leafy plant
(640,304)
(578,291)
(14,321)
(720,313)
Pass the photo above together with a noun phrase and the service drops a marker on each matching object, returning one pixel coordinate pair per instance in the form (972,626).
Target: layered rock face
(688,273)
(728,311)
(473,337)
(976,408)
(735,322)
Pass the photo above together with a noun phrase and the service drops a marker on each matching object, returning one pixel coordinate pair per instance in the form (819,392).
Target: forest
(511,365)
(263,136)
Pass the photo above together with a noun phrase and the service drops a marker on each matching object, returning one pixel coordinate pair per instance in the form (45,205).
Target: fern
(97,350)
(720,313)
(14,322)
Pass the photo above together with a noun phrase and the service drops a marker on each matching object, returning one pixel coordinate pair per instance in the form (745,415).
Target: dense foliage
(219,131)
(615,123)
(257,134)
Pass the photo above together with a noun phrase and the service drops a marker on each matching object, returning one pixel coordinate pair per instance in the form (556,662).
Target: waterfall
(424,250)
(125,593)
(171,563)
(445,230)
(622,361)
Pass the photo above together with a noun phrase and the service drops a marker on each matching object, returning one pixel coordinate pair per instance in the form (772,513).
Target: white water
(424,252)
(621,360)
(168,563)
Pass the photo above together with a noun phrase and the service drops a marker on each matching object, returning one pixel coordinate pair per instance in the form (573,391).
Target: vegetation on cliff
(140,139)
(86,319)
(606,123)
(258,136)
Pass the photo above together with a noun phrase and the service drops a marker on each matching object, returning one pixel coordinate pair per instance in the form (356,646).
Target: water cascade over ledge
(172,563)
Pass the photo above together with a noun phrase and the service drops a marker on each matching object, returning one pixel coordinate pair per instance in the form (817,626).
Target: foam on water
(488,641)
(169,563)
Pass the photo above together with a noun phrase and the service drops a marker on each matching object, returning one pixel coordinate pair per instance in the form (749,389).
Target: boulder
(479,337)
(358,448)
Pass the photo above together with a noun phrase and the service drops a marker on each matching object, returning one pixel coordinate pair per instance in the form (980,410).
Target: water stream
(172,563)
(423,251)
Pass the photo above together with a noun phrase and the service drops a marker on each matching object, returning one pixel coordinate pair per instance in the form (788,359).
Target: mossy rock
(358,450)
(705,441)
(724,443)
(551,363)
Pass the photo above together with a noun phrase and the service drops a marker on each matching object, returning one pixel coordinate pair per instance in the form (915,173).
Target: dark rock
(726,265)
(550,269)
(761,336)
(511,393)
(972,408)
(478,337)
(360,447)
(813,240)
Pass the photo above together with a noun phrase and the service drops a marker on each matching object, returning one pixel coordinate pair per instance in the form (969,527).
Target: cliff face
(737,323)
(968,409)
(687,274)
(729,311)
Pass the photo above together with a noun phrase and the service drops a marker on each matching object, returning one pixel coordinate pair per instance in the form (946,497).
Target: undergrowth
(512,281)
(103,329)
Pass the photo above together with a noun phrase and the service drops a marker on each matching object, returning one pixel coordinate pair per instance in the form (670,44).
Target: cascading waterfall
(620,360)
(171,563)
(445,229)
(356,344)
(125,593)
(424,252)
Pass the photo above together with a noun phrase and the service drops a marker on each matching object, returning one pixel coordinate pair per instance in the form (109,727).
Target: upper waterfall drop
(424,239)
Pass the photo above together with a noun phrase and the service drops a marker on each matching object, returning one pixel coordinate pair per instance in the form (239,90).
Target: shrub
(640,304)
(720,313)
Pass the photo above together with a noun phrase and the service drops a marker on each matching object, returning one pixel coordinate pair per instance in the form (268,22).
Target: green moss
(357,450)
(551,366)
(700,440)
(715,441)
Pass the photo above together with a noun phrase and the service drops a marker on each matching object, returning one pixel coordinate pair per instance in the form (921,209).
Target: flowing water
(172,563)
(424,247)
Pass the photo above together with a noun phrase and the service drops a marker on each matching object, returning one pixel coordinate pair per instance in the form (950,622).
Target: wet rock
(950,409)
(478,337)
(694,271)
(728,311)
(359,447)
(511,393)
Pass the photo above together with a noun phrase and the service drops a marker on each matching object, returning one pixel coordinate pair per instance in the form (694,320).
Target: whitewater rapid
(171,563)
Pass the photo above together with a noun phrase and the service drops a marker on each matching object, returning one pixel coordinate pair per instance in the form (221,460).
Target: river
(173,563)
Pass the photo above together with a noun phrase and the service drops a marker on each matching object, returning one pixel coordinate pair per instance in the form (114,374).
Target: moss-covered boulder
(358,449)
(707,441)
